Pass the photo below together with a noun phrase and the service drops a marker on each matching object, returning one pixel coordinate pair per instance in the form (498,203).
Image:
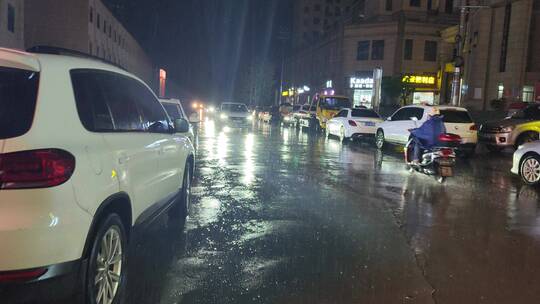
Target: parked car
(236,115)
(175,110)
(353,123)
(395,129)
(86,153)
(289,118)
(520,128)
(526,163)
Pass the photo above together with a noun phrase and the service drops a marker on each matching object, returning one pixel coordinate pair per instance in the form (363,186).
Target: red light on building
(162,82)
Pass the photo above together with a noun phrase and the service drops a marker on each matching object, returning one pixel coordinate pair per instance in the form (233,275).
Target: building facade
(12,24)
(86,26)
(401,37)
(502,54)
(314,18)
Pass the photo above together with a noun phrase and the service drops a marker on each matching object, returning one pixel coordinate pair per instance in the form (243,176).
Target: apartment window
(415,3)
(500,91)
(316,21)
(306,9)
(90,48)
(110,31)
(528,94)
(430,51)
(377,50)
(98,24)
(504,44)
(105,26)
(408,51)
(449,7)
(11,18)
(97,50)
(362,52)
(338,11)
(389,5)
(91,14)
(317,7)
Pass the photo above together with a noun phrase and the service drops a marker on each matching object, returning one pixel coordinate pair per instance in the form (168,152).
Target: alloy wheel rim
(531,170)
(379,139)
(108,266)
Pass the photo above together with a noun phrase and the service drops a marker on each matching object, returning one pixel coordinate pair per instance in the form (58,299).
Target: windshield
(335,103)
(454,116)
(364,113)
(18,93)
(233,107)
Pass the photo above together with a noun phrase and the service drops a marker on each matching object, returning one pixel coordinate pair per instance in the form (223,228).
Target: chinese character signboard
(421,80)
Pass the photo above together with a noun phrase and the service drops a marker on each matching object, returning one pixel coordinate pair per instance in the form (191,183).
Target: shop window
(363,50)
(528,94)
(415,3)
(408,51)
(430,51)
(377,50)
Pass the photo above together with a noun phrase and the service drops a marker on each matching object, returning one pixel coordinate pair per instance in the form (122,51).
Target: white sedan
(527,163)
(353,123)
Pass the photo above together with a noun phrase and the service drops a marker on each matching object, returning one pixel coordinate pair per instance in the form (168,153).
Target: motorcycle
(438,161)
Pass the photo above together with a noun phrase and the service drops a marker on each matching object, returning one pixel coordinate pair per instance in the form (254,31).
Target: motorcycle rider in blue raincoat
(427,135)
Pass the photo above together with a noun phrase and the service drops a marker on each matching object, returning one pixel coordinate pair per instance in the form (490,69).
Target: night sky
(204,43)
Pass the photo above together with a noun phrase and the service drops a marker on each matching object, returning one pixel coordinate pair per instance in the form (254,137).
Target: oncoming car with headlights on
(235,115)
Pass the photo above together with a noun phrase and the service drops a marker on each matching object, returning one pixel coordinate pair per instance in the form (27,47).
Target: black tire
(526,137)
(379,139)
(111,224)
(529,180)
(494,149)
(184,201)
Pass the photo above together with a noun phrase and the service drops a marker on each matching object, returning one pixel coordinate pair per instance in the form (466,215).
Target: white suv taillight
(35,169)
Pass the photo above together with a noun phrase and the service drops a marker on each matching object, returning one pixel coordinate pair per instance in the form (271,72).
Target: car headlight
(250,117)
(507,129)
(223,116)
(286,118)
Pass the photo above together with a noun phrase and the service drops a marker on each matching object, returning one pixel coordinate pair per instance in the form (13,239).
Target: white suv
(457,120)
(86,152)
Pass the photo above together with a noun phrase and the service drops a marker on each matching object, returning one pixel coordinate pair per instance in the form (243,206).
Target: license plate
(370,124)
(446,171)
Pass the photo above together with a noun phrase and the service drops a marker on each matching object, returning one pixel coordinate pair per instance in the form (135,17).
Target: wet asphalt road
(281,216)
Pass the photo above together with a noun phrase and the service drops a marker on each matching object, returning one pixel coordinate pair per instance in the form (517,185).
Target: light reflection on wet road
(281,216)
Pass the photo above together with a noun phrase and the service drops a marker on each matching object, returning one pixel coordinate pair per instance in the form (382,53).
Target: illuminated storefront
(362,91)
(426,90)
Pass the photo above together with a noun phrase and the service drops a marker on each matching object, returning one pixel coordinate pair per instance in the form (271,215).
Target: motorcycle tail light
(446,152)
(448,137)
(352,123)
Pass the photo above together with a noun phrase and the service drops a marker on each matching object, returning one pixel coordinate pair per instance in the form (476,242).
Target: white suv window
(18,94)
(110,102)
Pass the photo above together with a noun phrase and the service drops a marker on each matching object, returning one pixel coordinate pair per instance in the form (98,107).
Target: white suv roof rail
(53,50)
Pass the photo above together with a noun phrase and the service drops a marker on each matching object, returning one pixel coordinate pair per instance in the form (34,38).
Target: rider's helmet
(435,112)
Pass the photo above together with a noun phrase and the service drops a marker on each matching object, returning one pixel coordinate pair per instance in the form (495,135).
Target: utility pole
(456,82)
(459,61)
